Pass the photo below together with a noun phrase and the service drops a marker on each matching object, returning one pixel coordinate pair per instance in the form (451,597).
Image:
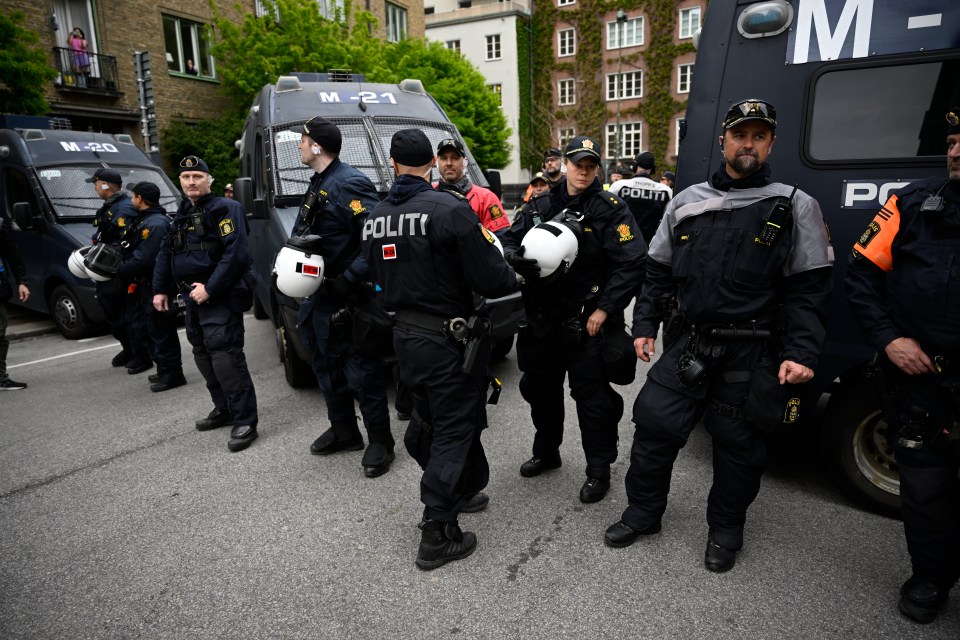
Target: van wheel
(855,442)
(501,348)
(298,373)
(259,312)
(67,313)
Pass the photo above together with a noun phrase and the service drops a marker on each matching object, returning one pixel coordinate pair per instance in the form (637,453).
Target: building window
(428,11)
(631,143)
(565,135)
(566,92)
(689,21)
(566,42)
(453,45)
(625,85)
(188,47)
(396,23)
(497,91)
(493,47)
(627,34)
(334,9)
(684,77)
(565,3)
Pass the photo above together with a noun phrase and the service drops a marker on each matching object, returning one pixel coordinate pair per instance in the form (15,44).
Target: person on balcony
(79,55)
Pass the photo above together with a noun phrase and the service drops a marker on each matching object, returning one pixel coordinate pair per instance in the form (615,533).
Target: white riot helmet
(102,262)
(75,262)
(299,267)
(553,245)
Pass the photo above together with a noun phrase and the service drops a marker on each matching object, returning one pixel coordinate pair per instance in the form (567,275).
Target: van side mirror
(243,193)
(23,215)
(496,185)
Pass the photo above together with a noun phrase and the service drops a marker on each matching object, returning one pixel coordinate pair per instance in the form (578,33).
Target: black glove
(527,268)
(341,285)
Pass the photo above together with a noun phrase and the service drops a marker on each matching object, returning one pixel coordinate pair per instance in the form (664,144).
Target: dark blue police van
(43,191)
(861,88)
(274,180)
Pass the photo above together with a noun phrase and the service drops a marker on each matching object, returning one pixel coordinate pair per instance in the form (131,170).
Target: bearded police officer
(336,205)
(452,165)
(156,329)
(207,257)
(573,315)
(429,253)
(111,220)
(903,286)
(728,254)
(552,165)
(646,198)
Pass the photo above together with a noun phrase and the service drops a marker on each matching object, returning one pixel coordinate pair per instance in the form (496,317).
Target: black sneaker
(137,365)
(442,542)
(920,600)
(121,359)
(620,534)
(594,490)
(535,466)
(328,443)
(718,558)
(377,459)
(10,385)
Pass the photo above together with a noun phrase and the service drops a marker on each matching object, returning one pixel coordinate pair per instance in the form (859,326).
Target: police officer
(903,286)
(646,198)
(570,319)
(429,253)
(112,218)
(336,205)
(668,178)
(452,165)
(17,287)
(207,257)
(729,252)
(552,165)
(156,329)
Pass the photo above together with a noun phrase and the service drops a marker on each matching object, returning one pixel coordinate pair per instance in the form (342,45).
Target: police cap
(552,152)
(411,147)
(148,191)
(106,175)
(582,147)
(953,121)
(539,177)
(750,109)
(323,132)
(193,163)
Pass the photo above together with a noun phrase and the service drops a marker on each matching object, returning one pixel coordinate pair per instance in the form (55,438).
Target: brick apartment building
(107,97)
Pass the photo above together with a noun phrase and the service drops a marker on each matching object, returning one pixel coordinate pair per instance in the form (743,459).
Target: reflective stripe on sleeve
(875,243)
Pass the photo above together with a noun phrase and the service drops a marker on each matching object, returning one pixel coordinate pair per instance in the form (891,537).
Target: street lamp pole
(618,82)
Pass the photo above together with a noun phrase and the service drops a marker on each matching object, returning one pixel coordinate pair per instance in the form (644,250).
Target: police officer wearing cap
(551,166)
(156,329)
(113,217)
(646,198)
(429,253)
(206,256)
(452,165)
(337,203)
(730,254)
(538,184)
(903,285)
(577,315)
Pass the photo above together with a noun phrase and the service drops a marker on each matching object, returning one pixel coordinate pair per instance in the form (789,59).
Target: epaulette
(610,200)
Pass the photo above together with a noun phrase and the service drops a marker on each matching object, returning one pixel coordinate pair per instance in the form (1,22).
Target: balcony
(97,78)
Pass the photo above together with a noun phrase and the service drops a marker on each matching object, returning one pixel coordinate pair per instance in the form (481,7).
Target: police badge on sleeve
(226,227)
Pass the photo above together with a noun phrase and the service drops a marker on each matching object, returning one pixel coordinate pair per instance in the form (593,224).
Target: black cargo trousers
(449,414)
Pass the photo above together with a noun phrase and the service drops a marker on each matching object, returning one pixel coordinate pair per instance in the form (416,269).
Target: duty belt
(453,328)
(197,246)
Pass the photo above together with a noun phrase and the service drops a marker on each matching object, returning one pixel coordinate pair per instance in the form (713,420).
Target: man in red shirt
(452,164)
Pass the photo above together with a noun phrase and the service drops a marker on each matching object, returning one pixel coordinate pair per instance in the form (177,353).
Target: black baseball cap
(750,109)
(539,177)
(323,132)
(552,152)
(582,147)
(451,143)
(953,121)
(670,175)
(411,147)
(646,161)
(193,163)
(148,191)
(107,175)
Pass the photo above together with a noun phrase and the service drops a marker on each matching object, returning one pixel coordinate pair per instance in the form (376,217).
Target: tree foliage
(212,140)
(258,50)
(24,68)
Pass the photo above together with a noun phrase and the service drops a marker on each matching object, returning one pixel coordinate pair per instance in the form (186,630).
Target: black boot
(341,436)
(216,419)
(443,542)
(121,359)
(168,381)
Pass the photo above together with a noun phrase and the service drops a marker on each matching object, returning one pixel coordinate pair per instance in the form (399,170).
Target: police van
(274,180)
(861,88)
(43,191)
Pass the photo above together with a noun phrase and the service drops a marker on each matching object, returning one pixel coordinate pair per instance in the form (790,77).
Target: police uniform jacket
(335,206)
(647,200)
(903,277)
(113,217)
(429,253)
(144,240)
(218,255)
(716,252)
(609,267)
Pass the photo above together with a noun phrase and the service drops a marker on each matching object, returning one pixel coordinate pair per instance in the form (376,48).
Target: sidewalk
(27,324)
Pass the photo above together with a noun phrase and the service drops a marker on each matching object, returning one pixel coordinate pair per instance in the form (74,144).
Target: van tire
(67,313)
(259,312)
(298,373)
(855,444)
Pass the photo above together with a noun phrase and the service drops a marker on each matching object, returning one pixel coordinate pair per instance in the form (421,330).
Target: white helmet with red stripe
(299,267)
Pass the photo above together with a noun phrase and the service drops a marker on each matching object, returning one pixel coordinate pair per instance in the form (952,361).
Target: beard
(746,163)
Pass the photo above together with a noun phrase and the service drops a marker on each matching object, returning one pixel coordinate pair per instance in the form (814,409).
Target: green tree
(24,68)
(212,140)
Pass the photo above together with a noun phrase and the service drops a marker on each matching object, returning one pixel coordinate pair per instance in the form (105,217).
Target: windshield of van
(370,155)
(72,197)
(853,119)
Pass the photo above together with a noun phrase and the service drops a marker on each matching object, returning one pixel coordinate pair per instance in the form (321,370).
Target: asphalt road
(119,520)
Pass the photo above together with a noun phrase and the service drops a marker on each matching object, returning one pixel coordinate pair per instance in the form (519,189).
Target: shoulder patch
(121,221)
(226,227)
(144,234)
(357,207)
(624,233)
(495,211)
